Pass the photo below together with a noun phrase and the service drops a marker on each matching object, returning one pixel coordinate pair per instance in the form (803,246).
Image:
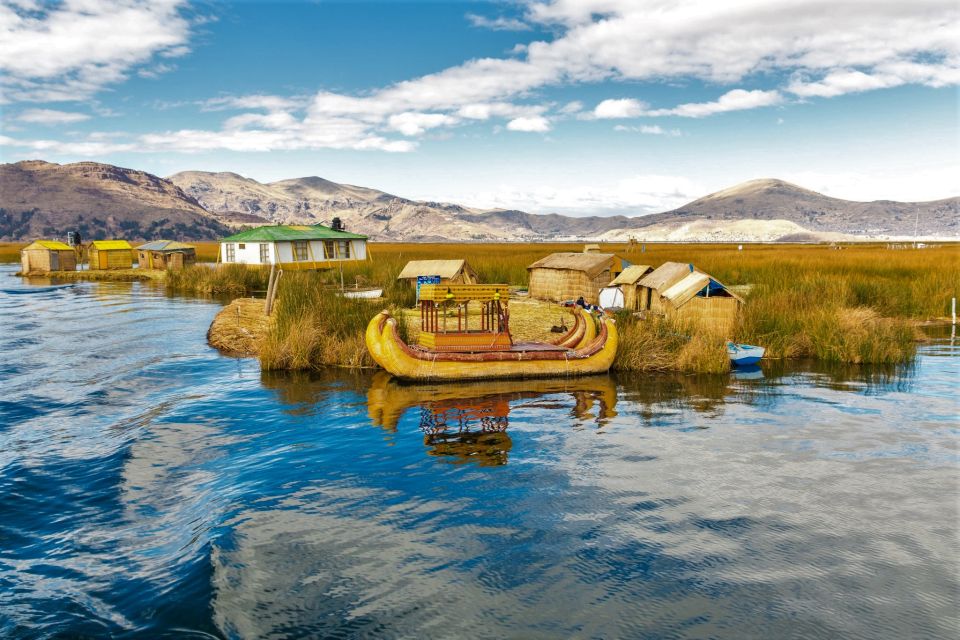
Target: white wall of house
(283,251)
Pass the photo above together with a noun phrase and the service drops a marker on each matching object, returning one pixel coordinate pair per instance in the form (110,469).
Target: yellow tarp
(106,245)
(50,244)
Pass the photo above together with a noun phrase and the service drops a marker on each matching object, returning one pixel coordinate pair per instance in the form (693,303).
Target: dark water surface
(150,487)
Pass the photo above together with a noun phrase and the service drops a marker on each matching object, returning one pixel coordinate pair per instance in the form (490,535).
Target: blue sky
(575,106)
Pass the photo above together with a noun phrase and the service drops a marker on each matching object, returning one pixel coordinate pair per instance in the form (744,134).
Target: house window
(264,253)
(229,252)
(299,250)
(242,246)
(329,251)
(344,249)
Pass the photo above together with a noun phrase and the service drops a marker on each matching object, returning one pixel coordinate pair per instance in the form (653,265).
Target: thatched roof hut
(110,254)
(693,296)
(166,254)
(449,271)
(568,276)
(650,286)
(628,281)
(44,256)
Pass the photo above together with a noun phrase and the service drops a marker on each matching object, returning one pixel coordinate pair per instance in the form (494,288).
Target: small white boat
(744,354)
(363,293)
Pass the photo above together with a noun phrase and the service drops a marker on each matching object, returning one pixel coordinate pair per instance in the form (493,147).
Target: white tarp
(611,298)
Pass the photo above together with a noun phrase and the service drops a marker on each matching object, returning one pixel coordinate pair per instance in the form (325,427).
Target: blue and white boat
(744,354)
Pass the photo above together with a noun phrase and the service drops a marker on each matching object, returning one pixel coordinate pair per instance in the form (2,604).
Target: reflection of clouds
(827,505)
(335,562)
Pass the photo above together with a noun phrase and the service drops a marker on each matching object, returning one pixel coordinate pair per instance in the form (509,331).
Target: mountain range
(40,198)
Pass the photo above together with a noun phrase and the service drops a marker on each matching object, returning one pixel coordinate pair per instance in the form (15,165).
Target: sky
(581,107)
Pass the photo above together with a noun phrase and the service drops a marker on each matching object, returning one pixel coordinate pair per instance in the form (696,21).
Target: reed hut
(649,288)
(166,254)
(628,281)
(44,256)
(698,298)
(449,271)
(568,276)
(678,290)
(110,254)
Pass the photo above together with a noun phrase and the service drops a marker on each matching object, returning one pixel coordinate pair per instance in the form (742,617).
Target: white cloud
(256,101)
(535,124)
(639,194)
(413,124)
(500,23)
(735,100)
(908,184)
(619,108)
(651,130)
(51,116)
(71,50)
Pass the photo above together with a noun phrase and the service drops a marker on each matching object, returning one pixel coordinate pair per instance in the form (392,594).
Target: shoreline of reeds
(104,275)
(862,305)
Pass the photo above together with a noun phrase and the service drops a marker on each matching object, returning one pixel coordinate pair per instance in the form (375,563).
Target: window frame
(264,253)
(229,252)
(301,250)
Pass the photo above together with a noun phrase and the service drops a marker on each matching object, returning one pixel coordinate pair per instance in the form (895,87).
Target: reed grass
(232,279)
(314,327)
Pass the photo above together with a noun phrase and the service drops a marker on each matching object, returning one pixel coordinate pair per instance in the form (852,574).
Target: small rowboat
(363,293)
(744,354)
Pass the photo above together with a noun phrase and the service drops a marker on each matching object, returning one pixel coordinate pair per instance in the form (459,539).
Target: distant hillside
(44,199)
(771,200)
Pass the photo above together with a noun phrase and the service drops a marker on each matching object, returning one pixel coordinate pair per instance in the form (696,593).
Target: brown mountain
(42,199)
(770,200)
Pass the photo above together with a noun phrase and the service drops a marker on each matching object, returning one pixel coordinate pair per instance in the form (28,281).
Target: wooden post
(953,310)
(271,285)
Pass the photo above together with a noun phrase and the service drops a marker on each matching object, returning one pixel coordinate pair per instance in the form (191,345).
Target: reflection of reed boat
(468,421)
(488,352)
(388,398)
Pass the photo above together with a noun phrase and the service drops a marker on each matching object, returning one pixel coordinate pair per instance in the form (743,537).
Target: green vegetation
(314,327)
(233,279)
(855,304)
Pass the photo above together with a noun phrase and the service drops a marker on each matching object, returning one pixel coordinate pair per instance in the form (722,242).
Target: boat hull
(744,355)
(536,360)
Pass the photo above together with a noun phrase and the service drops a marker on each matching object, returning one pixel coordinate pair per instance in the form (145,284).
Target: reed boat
(445,352)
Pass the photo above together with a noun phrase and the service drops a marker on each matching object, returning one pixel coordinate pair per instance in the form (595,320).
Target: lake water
(150,487)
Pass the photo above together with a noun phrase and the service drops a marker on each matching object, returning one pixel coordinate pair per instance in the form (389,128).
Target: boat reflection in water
(468,421)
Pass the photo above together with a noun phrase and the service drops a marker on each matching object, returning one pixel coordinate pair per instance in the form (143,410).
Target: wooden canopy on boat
(437,329)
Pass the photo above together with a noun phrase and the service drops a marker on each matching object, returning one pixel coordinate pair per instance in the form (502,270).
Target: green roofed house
(293,247)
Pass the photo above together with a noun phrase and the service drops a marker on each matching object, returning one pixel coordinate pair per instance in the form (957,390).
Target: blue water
(150,487)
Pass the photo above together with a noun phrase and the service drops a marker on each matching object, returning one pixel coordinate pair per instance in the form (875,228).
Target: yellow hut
(110,254)
(628,281)
(166,254)
(449,271)
(568,276)
(44,256)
